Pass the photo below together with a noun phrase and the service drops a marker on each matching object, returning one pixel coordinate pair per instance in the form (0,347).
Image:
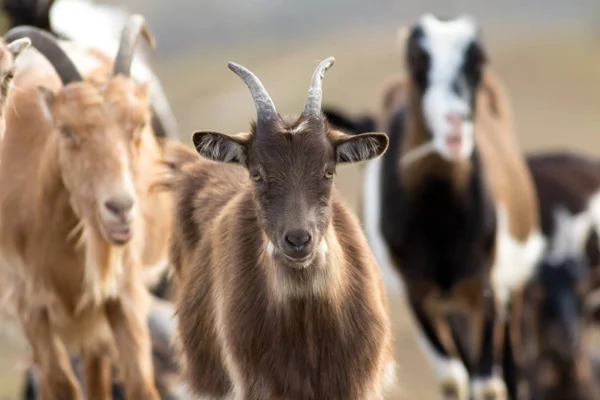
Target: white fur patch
(270,248)
(389,375)
(515,261)
(96,25)
(570,235)
(446,42)
(448,371)
(323,248)
(372,226)
(492,388)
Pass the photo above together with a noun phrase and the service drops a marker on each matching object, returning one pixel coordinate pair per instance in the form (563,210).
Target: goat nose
(455,119)
(119,206)
(298,238)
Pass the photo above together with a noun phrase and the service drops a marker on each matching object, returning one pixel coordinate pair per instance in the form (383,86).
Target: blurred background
(546,51)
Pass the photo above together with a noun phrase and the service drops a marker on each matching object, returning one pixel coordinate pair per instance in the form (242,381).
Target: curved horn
(312,107)
(48,46)
(136,26)
(265,109)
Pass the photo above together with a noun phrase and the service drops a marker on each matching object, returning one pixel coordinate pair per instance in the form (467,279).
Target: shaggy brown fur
(260,319)
(78,223)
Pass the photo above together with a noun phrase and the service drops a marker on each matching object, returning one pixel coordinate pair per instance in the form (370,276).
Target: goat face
(100,128)
(291,164)
(558,294)
(445,61)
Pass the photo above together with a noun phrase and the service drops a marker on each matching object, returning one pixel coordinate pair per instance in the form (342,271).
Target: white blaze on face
(446,43)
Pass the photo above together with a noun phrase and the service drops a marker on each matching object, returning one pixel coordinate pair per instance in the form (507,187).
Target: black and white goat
(451,206)
(560,296)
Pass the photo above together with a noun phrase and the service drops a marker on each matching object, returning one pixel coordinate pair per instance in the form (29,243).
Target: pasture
(552,72)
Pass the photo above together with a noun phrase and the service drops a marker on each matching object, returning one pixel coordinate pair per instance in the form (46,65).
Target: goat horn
(136,26)
(265,108)
(48,46)
(312,107)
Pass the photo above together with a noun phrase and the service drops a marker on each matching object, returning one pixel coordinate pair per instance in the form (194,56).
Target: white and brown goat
(78,222)
(560,297)
(281,296)
(451,206)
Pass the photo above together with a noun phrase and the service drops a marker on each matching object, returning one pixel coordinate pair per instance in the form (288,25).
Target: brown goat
(281,297)
(77,218)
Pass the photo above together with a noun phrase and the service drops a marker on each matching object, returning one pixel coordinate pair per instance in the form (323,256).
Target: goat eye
(329,174)
(9,77)
(255,177)
(66,132)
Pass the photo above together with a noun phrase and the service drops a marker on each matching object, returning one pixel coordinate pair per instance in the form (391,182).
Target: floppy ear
(357,148)
(17,46)
(220,147)
(47,100)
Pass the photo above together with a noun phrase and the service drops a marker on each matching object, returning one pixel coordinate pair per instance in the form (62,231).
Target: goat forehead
(284,151)
(446,43)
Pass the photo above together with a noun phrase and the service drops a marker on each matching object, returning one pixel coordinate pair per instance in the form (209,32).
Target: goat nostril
(120,206)
(298,238)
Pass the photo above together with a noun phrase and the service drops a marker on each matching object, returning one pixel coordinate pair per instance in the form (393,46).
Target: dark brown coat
(261,318)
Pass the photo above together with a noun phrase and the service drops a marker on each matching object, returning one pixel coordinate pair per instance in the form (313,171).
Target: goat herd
(136,268)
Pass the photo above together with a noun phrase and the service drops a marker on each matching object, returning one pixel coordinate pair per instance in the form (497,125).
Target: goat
(555,319)
(451,206)
(78,223)
(280,296)
(95,26)
(559,297)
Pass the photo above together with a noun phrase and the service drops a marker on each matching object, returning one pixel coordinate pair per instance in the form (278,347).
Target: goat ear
(357,148)
(17,46)
(47,100)
(220,147)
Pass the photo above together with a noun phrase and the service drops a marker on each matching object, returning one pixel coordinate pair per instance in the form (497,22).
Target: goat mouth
(299,261)
(118,235)
(454,142)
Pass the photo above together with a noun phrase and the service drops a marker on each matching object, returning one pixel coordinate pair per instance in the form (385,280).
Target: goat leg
(488,326)
(436,339)
(97,376)
(128,322)
(52,365)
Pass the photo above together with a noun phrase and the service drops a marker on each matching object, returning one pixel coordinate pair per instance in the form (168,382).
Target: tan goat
(77,220)
(281,297)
